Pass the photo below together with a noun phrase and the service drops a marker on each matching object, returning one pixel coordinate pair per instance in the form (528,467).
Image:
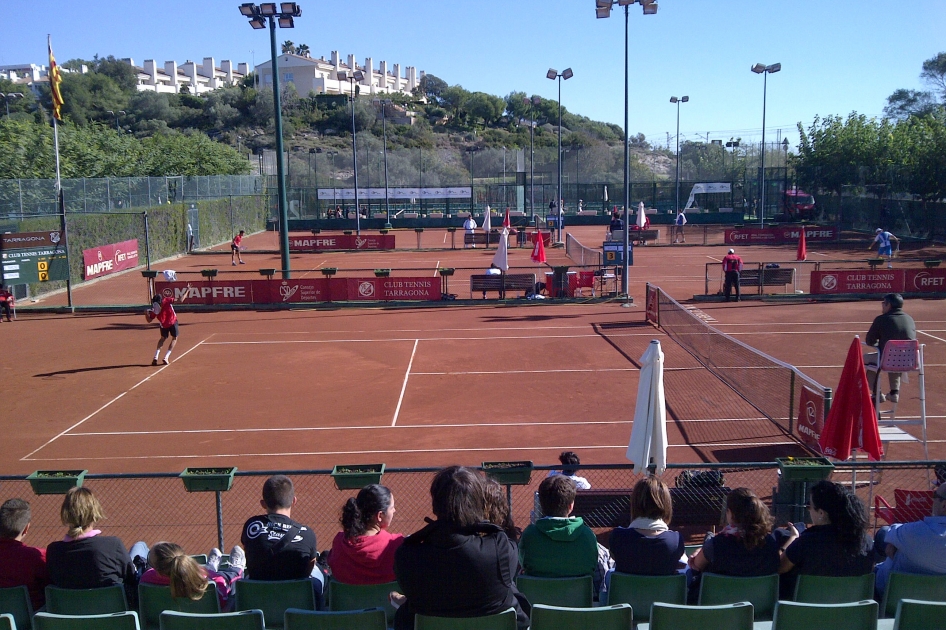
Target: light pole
(351,77)
(384,135)
(532,102)
(765,71)
(472,151)
(258,16)
(603,10)
(674,99)
(116,115)
(8,96)
(559,202)
(733,144)
(334,183)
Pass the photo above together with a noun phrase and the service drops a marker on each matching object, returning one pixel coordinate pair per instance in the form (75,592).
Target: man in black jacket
(893,323)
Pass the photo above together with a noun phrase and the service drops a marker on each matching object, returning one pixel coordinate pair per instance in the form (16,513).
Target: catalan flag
(55,78)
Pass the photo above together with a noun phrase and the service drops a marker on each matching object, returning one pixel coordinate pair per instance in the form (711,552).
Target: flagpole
(60,201)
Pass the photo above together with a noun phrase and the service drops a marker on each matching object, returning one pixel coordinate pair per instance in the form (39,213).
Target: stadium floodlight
(559,202)
(603,10)
(765,71)
(677,101)
(351,76)
(258,16)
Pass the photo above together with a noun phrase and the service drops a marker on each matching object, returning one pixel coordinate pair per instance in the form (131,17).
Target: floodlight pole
(677,101)
(764,71)
(384,131)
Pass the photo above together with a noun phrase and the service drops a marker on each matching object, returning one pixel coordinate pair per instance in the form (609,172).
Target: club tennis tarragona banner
(810,420)
(106,259)
(842,281)
(453,192)
(303,290)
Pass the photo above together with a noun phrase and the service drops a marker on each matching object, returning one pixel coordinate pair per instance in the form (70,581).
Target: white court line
(91,415)
(396,339)
(436,268)
(475,373)
(923,332)
(623,447)
(407,375)
(716,259)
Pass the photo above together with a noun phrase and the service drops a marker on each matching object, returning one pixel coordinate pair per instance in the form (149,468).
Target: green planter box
(509,473)
(804,468)
(356,476)
(208,479)
(55,481)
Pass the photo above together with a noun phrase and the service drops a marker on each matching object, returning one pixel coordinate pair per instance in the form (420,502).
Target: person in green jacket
(558,545)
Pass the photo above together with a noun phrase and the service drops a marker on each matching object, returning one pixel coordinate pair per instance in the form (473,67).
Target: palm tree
(303,50)
(288,47)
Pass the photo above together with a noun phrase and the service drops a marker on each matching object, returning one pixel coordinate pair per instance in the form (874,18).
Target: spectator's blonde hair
(187,577)
(80,510)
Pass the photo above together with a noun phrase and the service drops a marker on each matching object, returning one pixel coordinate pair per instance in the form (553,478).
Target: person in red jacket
(163,311)
(20,564)
(363,552)
(732,265)
(6,302)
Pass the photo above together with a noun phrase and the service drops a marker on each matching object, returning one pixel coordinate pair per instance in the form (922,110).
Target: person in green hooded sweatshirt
(558,545)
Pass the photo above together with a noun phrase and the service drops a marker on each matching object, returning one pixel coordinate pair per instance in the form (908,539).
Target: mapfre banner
(810,420)
(779,235)
(106,259)
(318,243)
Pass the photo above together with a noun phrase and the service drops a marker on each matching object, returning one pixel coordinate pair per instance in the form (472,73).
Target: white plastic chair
(904,356)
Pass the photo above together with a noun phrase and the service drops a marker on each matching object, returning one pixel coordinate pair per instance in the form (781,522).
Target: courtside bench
(524,282)
(640,237)
(696,507)
(768,278)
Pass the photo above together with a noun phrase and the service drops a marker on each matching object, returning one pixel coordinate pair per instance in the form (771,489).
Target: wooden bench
(479,238)
(640,237)
(700,507)
(524,282)
(768,277)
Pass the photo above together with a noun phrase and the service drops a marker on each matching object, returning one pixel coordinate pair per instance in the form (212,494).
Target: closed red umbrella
(538,252)
(802,253)
(852,422)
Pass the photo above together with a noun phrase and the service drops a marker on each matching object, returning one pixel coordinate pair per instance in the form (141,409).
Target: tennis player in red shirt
(163,311)
(235,248)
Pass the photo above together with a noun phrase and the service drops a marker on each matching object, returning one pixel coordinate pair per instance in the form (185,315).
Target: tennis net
(580,254)
(780,391)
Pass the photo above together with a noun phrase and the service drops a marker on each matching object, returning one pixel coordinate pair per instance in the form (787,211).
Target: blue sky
(837,56)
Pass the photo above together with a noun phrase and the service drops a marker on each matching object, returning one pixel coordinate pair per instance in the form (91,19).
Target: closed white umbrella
(501,259)
(487,225)
(649,433)
(641,220)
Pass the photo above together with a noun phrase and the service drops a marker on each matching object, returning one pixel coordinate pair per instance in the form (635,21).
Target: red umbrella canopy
(852,422)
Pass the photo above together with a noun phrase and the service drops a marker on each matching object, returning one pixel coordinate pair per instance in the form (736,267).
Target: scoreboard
(614,253)
(31,257)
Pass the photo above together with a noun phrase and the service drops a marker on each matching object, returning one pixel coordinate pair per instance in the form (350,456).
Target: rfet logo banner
(778,236)
(857,281)
(106,259)
(810,418)
(321,243)
(924,280)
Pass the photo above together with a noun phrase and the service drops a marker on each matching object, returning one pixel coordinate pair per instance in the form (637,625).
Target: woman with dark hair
(497,510)
(836,544)
(746,547)
(363,552)
(648,546)
(459,565)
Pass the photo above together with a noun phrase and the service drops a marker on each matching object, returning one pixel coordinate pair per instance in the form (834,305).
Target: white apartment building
(321,75)
(199,78)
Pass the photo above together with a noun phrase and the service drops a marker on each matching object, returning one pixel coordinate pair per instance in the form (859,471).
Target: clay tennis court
(422,386)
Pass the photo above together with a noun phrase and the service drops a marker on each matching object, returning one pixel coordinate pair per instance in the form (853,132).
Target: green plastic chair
(505,620)
(200,558)
(573,592)
(243,620)
(736,616)
(15,602)
(370,619)
(127,620)
(928,588)
(154,600)
(7,622)
(818,589)
(913,614)
(641,591)
(86,601)
(342,597)
(804,616)
(273,598)
(617,617)
(761,592)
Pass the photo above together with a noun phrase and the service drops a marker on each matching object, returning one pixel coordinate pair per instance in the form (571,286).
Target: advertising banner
(810,420)
(857,281)
(302,290)
(30,257)
(394,288)
(107,259)
(653,306)
(206,292)
(779,235)
(335,242)
(924,280)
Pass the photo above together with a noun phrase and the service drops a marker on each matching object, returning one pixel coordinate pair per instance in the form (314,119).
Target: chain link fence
(155,507)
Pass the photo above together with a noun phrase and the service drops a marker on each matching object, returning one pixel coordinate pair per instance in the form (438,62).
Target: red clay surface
(411,386)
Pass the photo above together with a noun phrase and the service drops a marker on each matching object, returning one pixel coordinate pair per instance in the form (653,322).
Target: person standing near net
(470,226)
(679,236)
(884,247)
(732,265)
(235,247)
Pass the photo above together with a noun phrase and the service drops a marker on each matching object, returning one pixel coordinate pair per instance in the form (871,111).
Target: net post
(828,399)
(791,403)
